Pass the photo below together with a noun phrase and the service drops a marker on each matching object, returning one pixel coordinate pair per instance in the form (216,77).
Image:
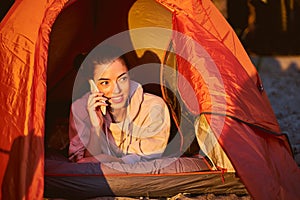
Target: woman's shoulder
(153,99)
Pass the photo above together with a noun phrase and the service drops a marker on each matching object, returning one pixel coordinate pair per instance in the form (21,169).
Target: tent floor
(68,180)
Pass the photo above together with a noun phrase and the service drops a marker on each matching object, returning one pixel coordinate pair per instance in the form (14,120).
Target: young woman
(135,126)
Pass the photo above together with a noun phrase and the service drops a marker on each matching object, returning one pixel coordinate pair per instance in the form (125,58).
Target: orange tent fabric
(219,40)
(23,61)
(250,135)
(24,47)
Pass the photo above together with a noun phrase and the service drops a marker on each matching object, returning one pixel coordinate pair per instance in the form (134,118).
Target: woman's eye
(123,79)
(104,83)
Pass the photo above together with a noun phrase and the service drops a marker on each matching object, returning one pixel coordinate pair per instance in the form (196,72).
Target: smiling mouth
(117,99)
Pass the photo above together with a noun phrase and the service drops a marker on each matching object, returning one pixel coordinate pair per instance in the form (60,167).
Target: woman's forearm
(96,142)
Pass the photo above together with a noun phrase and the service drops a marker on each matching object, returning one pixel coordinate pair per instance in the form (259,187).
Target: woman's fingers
(95,100)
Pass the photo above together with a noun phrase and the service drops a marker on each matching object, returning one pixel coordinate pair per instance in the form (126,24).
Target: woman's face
(113,80)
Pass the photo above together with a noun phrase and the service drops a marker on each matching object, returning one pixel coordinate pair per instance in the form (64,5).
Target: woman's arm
(87,140)
(84,128)
(78,135)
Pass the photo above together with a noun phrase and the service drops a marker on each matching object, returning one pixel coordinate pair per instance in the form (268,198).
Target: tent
(41,39)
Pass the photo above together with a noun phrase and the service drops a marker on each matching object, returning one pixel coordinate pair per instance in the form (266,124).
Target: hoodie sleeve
(79,131)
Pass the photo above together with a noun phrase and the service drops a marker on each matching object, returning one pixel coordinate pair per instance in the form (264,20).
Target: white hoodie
(146,128)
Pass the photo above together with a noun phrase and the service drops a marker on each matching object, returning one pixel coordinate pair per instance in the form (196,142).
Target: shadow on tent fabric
(20,173)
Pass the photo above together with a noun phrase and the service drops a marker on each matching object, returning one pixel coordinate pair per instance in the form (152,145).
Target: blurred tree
(273,27)
(238,14)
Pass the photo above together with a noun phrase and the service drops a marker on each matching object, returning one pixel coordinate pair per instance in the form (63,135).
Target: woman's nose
(116,89)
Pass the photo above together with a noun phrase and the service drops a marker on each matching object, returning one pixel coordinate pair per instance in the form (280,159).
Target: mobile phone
(94,88)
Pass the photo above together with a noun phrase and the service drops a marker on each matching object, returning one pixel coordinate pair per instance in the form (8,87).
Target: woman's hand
(95,101)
